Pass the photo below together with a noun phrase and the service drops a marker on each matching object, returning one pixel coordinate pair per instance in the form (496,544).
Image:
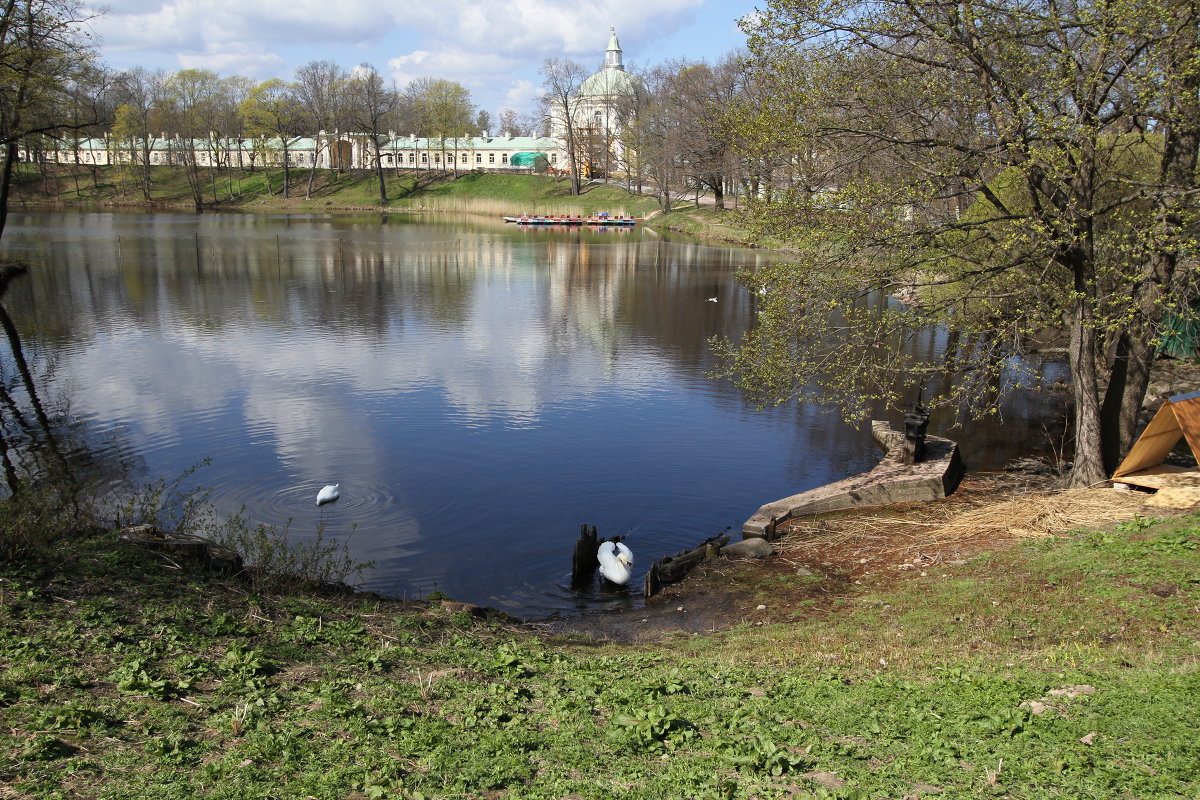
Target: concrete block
(890,482)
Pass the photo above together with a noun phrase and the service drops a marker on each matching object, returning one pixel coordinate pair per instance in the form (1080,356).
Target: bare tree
(319,88)
(707,94)
(658,136)
(509,121)
(372,108)
(562,81)
(140,92)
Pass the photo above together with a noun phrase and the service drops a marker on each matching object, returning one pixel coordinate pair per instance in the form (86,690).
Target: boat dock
(598,219)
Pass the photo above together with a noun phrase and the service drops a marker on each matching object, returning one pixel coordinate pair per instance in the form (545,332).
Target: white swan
(616,561)
(328,494)
(711,300)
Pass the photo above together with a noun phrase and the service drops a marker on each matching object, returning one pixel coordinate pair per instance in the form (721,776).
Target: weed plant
(274,559)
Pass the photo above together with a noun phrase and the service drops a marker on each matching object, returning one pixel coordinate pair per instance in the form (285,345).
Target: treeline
(674,138)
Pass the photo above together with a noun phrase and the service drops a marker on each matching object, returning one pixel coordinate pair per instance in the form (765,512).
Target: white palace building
(325,151)
(597,107)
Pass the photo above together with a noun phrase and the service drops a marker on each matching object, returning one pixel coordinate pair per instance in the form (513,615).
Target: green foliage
(133,677)
(759,754)
(173,750)
(995,164)
(653,726)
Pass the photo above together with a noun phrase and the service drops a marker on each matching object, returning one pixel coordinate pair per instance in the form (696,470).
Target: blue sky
(493,48)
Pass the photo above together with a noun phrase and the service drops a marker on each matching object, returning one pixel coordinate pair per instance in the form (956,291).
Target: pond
(477,390)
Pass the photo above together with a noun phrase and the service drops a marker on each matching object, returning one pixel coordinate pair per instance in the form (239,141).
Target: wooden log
(583,562)
(671,569)
(183,549)
(772,531)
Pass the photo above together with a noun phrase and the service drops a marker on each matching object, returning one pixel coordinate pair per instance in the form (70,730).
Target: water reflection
(478,391)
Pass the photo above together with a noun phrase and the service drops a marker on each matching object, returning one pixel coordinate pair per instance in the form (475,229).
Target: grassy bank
(709,223)
(1063,668)
(476,193)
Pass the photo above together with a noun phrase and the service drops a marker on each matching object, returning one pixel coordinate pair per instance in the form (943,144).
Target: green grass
(123,677)
(726,225)
(476,193)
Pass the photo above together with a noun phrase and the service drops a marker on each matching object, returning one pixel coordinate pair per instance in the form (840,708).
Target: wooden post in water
(915,424)
(584,563)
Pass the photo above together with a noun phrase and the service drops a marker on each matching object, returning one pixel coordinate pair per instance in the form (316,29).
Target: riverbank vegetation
(1063,667)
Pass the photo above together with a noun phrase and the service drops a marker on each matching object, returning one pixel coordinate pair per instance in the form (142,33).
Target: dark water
(478,391)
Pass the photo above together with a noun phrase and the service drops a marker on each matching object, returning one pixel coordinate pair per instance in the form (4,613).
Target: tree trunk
(383,198)
(10,159)
(572,161)
(1088,469)
(145,167)
(312,171)
(287,176)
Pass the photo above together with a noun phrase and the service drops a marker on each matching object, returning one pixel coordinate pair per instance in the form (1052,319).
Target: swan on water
(616,561)
(328,494)
(711,300)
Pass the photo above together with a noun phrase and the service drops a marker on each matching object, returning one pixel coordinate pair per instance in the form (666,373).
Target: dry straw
(931,526)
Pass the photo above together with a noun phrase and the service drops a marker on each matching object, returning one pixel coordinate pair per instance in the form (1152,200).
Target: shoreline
(484,195)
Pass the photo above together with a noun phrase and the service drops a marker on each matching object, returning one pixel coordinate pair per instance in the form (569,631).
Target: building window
(424,158)
(504,158)
(410,158)
(479,158)
(491,158)
(464,158)
(554,158)
(437,158)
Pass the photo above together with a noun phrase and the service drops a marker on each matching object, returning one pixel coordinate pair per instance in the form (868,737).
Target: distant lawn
(473,192)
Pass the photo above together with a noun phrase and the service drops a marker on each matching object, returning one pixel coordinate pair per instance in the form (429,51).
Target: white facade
(335,151)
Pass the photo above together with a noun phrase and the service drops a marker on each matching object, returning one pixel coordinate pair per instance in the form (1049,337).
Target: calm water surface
(477,390)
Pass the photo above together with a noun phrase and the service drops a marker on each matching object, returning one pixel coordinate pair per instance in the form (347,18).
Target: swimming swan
(328,494)
(616,561)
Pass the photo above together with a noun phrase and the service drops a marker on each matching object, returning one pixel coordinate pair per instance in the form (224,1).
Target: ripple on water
(369,508)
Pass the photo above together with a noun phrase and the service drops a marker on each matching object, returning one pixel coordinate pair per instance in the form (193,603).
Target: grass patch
(471,193)
(1061,668)
(727,225)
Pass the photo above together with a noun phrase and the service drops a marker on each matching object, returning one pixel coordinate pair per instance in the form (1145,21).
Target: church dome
(612,80)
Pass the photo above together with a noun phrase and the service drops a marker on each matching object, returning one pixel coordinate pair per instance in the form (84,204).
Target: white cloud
(536,29)
(494,49)
(522,94)
(512,29)
(198,24)
(235,59)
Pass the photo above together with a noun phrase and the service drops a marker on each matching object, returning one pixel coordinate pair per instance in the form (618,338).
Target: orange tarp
(1178,418)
